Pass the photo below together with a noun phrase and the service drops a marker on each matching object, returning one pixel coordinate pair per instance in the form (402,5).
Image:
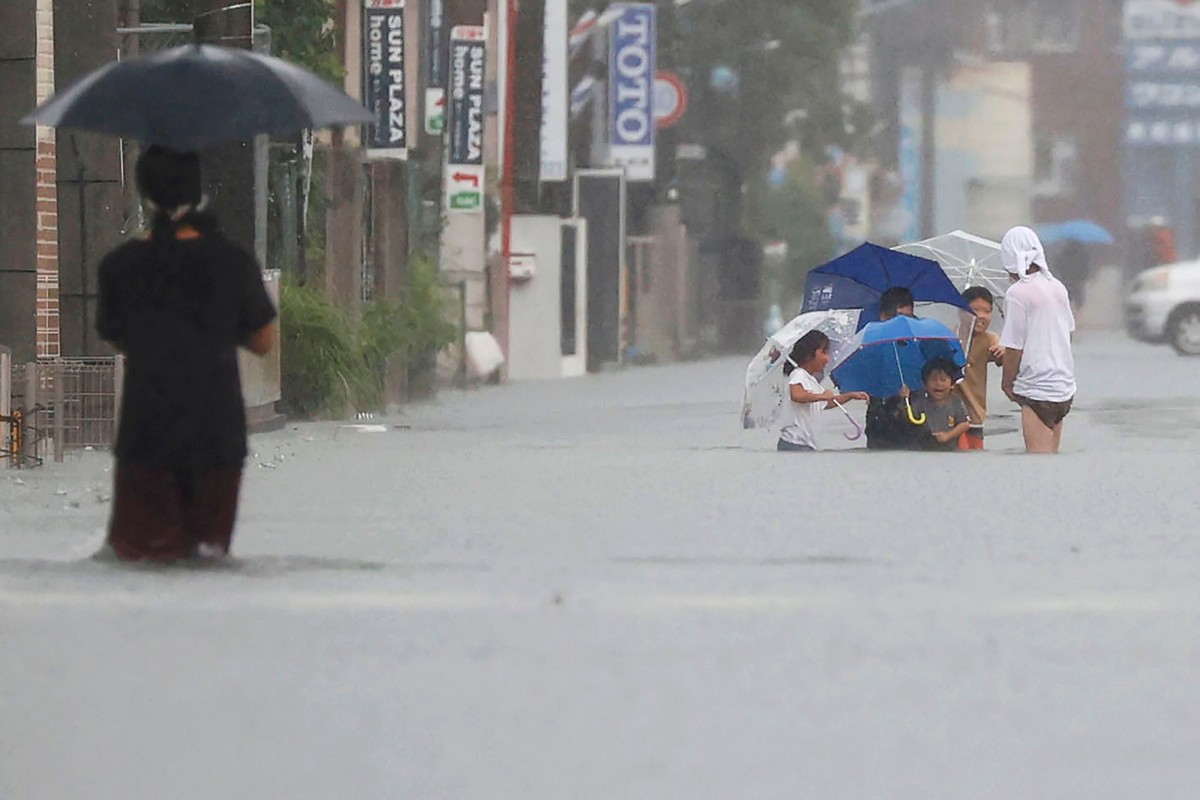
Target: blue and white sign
(555,91)
(909,217)
(631,70)
(1162,72)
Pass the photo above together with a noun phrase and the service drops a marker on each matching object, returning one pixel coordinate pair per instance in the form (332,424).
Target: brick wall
(46,203)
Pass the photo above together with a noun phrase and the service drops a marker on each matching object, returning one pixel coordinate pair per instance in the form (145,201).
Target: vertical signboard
(383,78)
(553,163)
(1162,69)
(909,161)
(1162,105)
(631,71)
(437,67)
(464,170)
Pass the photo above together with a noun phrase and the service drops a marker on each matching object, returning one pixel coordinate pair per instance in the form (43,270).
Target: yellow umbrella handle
(912,417)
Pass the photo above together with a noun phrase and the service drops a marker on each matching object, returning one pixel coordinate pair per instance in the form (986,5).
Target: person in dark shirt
(178,303)
(887,425)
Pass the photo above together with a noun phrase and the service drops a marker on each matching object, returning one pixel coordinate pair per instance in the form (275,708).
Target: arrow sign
(464,189)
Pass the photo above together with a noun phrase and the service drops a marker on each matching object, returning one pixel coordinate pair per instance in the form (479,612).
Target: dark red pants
(160,514)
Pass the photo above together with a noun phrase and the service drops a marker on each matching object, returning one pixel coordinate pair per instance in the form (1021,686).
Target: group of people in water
(949,413)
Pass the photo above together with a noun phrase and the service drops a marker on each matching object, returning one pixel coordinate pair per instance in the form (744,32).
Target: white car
(1164,306)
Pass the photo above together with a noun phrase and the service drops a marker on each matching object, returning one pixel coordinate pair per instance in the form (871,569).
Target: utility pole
(231,173)
(230,169)
(929,81)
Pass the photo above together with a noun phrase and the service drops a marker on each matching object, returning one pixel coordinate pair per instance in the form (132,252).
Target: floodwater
(604,588)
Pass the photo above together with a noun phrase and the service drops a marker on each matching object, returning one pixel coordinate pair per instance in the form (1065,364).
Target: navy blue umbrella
(196,96)
(858,278)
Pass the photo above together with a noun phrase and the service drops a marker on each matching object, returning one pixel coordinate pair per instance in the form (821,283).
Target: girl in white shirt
(808,359)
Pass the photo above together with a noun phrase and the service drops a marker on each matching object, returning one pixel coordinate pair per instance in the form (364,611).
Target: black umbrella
(197,96)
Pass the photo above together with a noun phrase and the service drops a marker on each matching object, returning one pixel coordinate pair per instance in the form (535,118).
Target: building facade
(61,203)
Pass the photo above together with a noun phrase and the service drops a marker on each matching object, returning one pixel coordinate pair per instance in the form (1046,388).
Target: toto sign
(631,70)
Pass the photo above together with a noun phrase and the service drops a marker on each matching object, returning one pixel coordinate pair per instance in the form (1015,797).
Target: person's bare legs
(1058,429)
(1038,438)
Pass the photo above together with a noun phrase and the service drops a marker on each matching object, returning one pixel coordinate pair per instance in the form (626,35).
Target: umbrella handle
(912,417)
(858,431)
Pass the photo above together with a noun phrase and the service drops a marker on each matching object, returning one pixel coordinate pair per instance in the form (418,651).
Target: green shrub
(331,361)
(322,365)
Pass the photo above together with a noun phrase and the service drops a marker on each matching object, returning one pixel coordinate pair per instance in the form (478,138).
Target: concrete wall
(535,310)
(261,378)
(535,332)
(666,291)
(985,152)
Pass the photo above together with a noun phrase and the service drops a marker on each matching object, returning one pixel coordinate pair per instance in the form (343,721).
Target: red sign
(670,99)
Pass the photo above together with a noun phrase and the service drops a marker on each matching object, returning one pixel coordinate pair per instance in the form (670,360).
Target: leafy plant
(332,362)
(323,368)
(302,31)
(410,330)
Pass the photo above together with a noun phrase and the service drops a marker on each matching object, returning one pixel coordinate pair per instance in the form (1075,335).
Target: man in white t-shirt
(1039,368)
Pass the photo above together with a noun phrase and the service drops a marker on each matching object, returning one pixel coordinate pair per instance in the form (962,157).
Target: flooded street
(604,588)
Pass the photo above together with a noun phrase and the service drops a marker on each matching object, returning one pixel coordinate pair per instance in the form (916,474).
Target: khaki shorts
(1051,413)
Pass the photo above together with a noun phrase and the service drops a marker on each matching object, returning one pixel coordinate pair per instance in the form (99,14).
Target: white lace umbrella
(967,259)
(766,386)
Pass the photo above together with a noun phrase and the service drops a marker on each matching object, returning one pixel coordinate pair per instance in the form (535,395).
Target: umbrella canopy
(858,279)
(766,385)
(883,356)
(967,260)
(1080,230)
(196,96)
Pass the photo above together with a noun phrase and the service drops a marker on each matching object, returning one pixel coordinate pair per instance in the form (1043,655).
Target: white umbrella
(967,259)
(766,387)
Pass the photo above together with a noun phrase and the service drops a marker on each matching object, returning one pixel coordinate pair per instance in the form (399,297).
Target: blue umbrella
(883,356)
(1080,230)
(858,279)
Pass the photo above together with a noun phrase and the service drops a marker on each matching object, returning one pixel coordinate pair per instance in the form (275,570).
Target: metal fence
(52,406)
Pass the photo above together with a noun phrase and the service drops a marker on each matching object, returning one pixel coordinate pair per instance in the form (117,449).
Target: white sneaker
(210,551)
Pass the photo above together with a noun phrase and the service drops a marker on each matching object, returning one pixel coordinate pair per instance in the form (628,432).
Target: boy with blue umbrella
(888,357)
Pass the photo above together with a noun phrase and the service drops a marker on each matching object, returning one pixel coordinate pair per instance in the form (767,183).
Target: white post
(5,400)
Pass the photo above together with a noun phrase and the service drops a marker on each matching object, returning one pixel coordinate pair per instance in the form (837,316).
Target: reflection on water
(262,565)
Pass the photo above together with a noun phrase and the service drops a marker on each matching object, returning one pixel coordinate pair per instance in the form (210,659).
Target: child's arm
(954,433)
(801,395)
(1012,365)
(846,397)
(995,349)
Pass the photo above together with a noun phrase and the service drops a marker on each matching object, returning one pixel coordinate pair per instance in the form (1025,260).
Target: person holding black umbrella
(179,303)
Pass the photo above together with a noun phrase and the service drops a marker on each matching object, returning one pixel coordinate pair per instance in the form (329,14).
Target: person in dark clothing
(1074,269)
(178,303)
(887,424)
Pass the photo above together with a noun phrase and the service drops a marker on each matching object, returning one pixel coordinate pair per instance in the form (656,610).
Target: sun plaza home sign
(383,77)
(466,94)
